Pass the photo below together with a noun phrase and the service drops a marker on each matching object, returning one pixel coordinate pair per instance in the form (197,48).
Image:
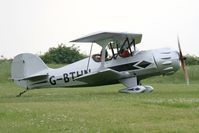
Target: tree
(62,55)
(192,60)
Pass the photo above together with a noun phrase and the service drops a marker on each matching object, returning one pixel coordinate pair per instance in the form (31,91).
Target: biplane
(118,61)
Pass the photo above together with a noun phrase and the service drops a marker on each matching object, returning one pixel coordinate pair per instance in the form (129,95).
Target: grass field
(173,107)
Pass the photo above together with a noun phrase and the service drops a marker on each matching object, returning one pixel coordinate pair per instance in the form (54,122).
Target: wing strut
(89,57)
(110,44)
(129,45)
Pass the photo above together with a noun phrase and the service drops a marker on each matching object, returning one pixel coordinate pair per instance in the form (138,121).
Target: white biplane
(118,62)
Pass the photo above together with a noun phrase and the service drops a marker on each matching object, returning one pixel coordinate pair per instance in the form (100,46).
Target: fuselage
(142,64)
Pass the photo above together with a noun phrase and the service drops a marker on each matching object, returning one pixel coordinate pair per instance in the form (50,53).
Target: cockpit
(116,50)
(114,45)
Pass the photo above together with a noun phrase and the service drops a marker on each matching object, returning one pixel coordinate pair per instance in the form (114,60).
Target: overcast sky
(36,25)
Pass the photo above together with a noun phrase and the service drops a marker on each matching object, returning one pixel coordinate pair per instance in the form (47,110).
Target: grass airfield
(172,108)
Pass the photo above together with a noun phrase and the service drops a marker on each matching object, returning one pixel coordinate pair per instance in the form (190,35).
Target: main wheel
(148,88)
(135,89)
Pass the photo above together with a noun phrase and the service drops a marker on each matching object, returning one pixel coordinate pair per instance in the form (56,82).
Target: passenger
(124,53)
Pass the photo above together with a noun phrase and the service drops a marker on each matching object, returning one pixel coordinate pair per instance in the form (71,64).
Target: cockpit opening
(116,50)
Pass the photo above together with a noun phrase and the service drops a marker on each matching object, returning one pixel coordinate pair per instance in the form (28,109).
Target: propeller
(182,61)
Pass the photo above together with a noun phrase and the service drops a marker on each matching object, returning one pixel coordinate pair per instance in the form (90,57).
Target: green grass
(4,71)
(171,108)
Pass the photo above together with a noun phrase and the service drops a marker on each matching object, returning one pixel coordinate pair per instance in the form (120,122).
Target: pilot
(98,57)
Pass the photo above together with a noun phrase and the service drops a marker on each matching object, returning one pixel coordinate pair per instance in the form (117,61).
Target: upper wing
(102,77)
(110,36)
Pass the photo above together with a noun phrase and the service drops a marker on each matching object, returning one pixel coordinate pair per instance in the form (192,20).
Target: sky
(33,26)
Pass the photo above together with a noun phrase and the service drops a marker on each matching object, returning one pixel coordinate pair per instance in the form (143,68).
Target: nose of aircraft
(167,60)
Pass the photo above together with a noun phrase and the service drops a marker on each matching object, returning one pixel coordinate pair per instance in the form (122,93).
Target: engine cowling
(167,60)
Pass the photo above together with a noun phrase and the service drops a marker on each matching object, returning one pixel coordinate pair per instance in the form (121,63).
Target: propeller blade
(182,61)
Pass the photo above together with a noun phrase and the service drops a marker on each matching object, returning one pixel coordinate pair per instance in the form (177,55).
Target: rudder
(26,64)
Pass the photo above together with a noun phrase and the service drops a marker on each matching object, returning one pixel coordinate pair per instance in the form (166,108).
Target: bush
(62,55)
(192,60)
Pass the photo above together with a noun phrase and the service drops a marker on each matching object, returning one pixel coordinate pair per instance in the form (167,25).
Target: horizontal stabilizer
(35,77)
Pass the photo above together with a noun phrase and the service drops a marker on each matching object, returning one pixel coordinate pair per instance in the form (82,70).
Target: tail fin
(25,66)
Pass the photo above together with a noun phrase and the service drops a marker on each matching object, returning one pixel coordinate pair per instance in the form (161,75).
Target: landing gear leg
(134,86)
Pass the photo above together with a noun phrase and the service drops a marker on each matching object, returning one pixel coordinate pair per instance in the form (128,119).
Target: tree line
(63,54)
(192,60)
(66,55)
